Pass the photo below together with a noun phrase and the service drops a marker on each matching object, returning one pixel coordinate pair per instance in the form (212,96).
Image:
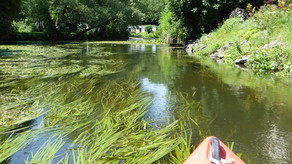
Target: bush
(232,53)
(229,24)
(148,29)
(22,26)
(272,60)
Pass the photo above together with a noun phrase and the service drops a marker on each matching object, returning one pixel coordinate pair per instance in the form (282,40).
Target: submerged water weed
(32,66)
(113,141)
(13,143)
(103,119)
(16,105)
(108,125)
(112,129)
(47,152)
(184,149)
(52,61)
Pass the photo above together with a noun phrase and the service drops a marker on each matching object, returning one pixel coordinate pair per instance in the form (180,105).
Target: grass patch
(251,38)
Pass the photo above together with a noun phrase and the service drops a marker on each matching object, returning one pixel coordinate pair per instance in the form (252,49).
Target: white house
(141,28)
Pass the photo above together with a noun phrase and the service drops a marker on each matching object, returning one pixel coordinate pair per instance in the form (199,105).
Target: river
(236,106)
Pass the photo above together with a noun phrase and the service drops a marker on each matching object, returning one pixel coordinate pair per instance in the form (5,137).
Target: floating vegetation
(23,68)
(104,119)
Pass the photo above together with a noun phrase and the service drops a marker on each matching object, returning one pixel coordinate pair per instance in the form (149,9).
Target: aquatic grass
(184,149)
(16,109)
(103,119)
(25,66)
(128,144)
(231,146)
(116,132)
(47,152)
(13,143)
(120,134)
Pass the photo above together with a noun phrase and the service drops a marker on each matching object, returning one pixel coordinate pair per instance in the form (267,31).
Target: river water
(237,106)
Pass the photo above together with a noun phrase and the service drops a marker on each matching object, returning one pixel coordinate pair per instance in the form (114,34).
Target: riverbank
(262,43)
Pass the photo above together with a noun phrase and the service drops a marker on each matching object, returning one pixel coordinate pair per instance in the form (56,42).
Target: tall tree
(37,13)
(105,17)
(8,11)
(151,9)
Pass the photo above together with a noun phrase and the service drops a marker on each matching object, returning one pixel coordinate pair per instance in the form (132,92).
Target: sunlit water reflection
(159,109)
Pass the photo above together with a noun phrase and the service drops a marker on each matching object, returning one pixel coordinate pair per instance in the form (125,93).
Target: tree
(36,12)
(189,19)
(151,9)
(105,18)
(8,11)
(148,29)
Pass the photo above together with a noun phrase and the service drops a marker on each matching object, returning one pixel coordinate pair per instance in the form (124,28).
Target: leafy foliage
(151,9)
(81,19)
(272,60)
(148,29)
(252,38)
(59,18)
(8,11)
(189,19)
(229,24)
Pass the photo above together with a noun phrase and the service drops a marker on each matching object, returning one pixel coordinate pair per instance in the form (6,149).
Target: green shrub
(172,28)
(250,34)
(209,49)
(272,60)
(21,26)
(232,53)
(148,29)
(249,38)
(229,24)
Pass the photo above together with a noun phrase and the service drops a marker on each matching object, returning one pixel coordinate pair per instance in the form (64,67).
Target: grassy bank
(264,40)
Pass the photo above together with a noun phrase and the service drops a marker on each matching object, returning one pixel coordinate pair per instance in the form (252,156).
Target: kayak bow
(212,150)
